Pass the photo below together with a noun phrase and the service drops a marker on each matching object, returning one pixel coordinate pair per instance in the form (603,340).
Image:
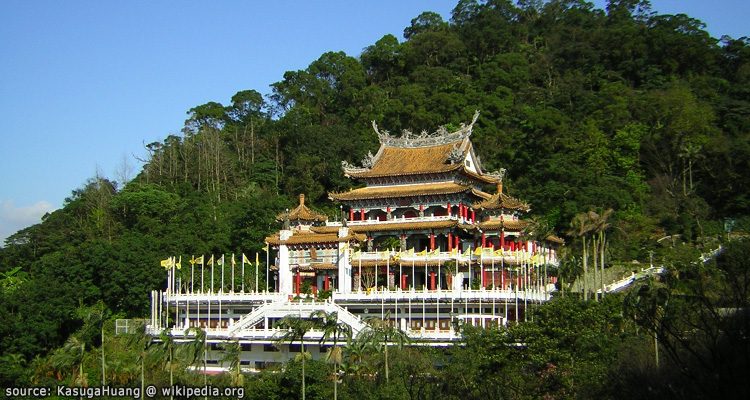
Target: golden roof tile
(384,192)
(502,201)
(508,225)
(314,238)
(302,213)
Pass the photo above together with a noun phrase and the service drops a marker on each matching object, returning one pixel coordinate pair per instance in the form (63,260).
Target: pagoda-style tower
(305,257)
(419,189)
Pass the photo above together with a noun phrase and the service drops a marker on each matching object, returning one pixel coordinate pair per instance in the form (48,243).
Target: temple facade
(430,241)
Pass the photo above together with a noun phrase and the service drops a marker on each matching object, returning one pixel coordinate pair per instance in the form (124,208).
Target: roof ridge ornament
(456,155)
(440,137)
(498,174)
(368,161)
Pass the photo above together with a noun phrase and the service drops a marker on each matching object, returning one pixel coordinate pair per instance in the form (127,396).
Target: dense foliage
(626,109)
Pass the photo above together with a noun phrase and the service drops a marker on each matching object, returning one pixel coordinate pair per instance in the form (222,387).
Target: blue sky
(84,84)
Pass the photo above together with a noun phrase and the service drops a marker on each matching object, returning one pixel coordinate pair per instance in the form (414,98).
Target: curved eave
(388,192)
(496,225)
(314,238)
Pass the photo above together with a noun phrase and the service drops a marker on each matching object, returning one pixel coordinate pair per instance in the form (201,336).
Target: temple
(429,242)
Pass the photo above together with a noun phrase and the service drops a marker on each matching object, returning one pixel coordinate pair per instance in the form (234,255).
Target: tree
(580,227)
(332,329)
(296,329)
(233,354)
(382,333)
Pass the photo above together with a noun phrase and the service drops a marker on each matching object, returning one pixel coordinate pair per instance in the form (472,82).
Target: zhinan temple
(429,242)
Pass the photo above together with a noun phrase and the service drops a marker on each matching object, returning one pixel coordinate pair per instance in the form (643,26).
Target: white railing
(443,295)
(226,296)
(487,257)
(627,281)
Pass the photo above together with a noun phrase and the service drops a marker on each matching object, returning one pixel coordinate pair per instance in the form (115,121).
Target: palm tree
(296,328)
(196,349)
(599,225)
(580,226)
(233,354)
(382,332)
(333,329)
(355,351)
(166,350)
(142,341)
(70,358)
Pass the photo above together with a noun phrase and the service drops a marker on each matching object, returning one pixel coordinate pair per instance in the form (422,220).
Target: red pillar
(403,281)
(326,282)
(432,241)
(448,207)
(458,242)
(484,240)
(485,281)
(512,246)
(432,280)
(361,214)
(351,214)
(299,282)
(421,209)
(460,210)
(450,241)
(502,239)
(473,216)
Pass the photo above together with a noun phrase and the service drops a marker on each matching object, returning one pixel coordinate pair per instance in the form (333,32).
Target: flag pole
(257,263)
(243,272)
(268,261)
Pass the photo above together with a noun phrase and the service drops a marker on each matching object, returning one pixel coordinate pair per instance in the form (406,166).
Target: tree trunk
(594,248)
(602,243)
(104,372)
(302,343)
(585,271)
(386,360)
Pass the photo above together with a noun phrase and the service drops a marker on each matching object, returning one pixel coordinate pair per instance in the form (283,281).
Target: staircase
(280,309)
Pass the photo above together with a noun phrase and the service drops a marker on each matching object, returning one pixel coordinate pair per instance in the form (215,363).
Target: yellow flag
(244,259)
(266,248)
(422,253)
(411,252)
(211,260)
(467,252)
(436,252)
(454,252)
(220,261)
(192,260)
(233,262)
(499,252)
(177,264)
(167,263)
(478,251)
(199,260)
(256,260)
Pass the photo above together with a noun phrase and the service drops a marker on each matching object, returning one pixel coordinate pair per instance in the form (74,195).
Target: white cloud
(13,219)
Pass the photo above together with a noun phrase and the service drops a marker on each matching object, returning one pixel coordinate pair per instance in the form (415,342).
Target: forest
(587,109)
